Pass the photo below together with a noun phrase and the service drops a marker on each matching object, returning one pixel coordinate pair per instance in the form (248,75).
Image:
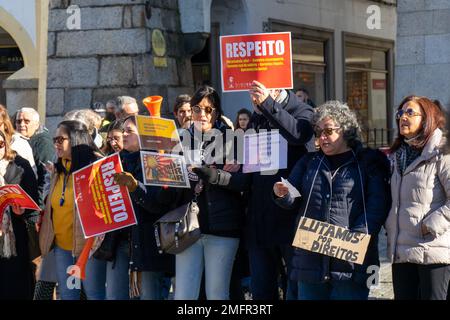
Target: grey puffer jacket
(421,196)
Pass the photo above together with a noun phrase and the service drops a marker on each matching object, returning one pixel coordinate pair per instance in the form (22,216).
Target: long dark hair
(83,149)
(433,118)
(211,94)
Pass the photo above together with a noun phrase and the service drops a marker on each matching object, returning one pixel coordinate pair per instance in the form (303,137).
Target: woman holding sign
(61,228)
(418,225)
(148,268)
(344,198)
(16,275)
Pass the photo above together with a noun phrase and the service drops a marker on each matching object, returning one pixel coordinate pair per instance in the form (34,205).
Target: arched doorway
(11,60)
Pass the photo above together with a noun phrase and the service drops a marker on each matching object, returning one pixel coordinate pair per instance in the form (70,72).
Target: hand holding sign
(280,189)
(258,92)
(17,209)
(126,179)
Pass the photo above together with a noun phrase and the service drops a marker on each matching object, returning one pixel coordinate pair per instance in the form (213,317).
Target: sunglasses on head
(207,109)
(409,113)
(327,131)
(59,140)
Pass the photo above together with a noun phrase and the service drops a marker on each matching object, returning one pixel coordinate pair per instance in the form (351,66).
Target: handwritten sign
(330,240)
(265,57)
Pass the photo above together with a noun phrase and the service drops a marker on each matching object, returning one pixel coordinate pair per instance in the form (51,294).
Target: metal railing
(378,137)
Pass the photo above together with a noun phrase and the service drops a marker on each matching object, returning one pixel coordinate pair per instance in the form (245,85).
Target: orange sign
(103,206)
(14,194)
(265,57)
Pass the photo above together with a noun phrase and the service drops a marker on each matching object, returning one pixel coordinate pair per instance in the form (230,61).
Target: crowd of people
(247,220)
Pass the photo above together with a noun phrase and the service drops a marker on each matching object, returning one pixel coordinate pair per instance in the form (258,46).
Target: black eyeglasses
(19,121)
(207,109)
(409,113)
(328,131)
(59,140)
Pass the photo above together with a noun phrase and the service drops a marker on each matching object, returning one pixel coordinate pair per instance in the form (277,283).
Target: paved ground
(384,289)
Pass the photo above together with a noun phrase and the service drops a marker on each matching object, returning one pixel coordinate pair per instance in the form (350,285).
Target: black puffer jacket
(339,201)
(149,205)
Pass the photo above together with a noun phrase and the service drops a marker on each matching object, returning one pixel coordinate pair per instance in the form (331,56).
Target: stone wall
(423,49)
(112,55)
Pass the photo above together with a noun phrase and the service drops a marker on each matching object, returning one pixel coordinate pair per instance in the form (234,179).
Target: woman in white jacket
(418,224)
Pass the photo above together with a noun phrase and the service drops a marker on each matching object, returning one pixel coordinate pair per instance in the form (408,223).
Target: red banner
(103,206)
(265,57)
(14,194)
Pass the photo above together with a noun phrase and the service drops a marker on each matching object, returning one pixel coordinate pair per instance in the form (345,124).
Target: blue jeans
(266,264)
(117,279)
(94,284)
(152,285)
(333,290)
(213,254)
(69,288)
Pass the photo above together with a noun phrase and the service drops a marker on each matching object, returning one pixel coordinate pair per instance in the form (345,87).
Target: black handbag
(178,229)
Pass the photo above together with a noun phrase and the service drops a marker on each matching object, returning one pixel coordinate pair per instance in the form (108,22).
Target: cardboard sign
(265,57)
(103,206)
(157,134)
(334,241)
(164,170)
(13,194)
(265,151)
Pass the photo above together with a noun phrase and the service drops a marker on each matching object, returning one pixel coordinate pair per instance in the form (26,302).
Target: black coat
(16,276)
(267,224)
(221,209)
(149,205)
(344,208)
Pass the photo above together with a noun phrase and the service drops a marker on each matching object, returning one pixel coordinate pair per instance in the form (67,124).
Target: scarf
(7,238)
(405,155)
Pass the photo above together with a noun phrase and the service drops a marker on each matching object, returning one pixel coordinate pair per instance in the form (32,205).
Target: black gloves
(212,175)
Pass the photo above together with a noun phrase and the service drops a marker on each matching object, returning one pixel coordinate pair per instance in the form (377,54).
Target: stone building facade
(423,49)
(111,54)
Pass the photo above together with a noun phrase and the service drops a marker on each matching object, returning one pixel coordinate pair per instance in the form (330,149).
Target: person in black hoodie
(148,267)
(345,185)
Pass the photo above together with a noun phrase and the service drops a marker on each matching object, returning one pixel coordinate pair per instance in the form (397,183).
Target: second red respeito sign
(265,57)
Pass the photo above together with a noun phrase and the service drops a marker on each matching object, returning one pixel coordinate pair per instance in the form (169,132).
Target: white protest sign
(264,151)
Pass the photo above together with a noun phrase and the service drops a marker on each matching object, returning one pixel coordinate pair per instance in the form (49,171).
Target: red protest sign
(265,57)
(103,206)
(14,194)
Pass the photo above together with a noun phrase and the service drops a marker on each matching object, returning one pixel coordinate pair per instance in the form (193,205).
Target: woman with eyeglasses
(114,137)
(61,228)
(221,210)
(418,225)
(16,275)
(345,185)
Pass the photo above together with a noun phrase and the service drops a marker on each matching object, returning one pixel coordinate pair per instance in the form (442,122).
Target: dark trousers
(266,266)
(425,282)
